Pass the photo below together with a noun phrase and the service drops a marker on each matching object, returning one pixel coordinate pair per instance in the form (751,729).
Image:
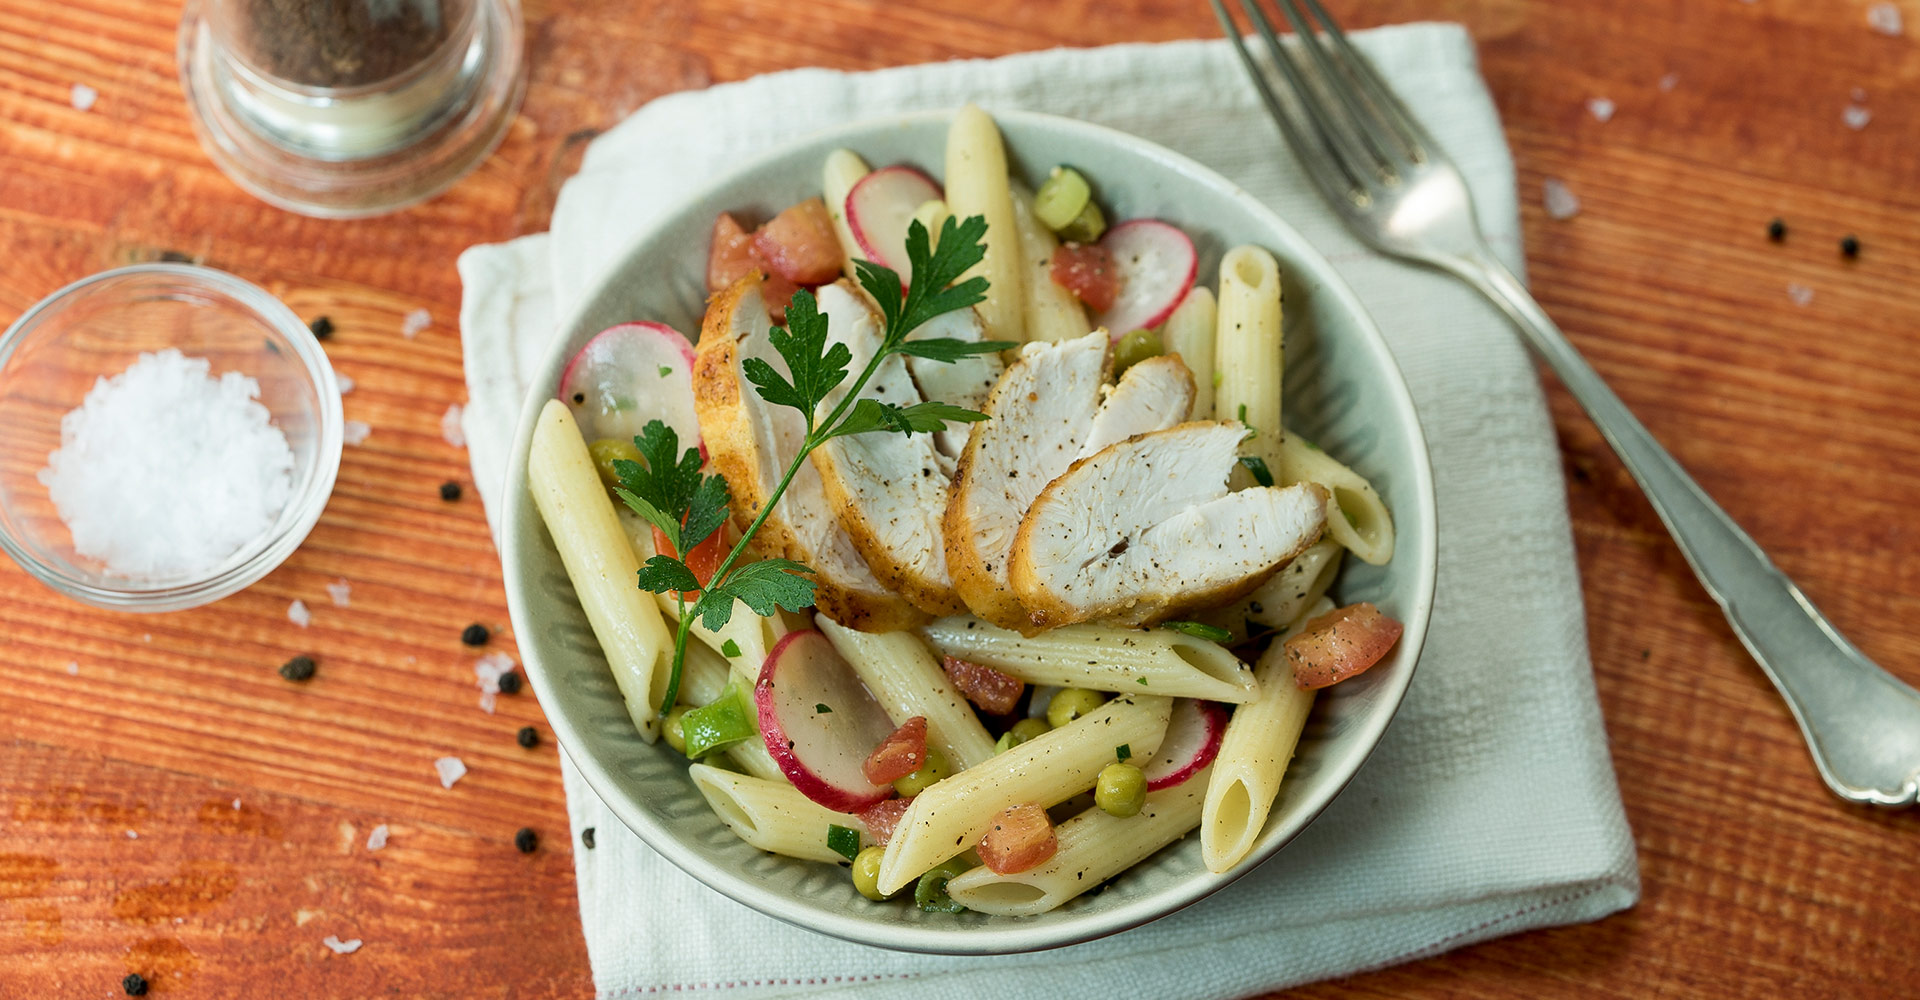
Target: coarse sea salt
(450,770)
(1800,294)
(489,669)
(1856,117)
(378,838)
(83,96)
(355,431)
(1884,18)
(340,591)
(1601,108)
(340,947)
(450,428)
(298,614)
(416,321)
(165,471)
(1561,202)
(346,383)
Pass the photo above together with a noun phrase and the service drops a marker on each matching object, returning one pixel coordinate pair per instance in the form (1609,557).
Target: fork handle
(1861,723)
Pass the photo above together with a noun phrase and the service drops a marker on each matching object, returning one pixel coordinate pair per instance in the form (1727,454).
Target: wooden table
(169,805)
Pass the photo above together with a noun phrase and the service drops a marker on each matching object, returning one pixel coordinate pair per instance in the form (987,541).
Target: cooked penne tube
(1260,740)
(600,562)
(1281,599)
(1051,312)
(842,171)
(1247,354)
(1101,657)
(1191,332)
(1356,516)
(977,185)
(952,814)
(772,816)
(752,636)
(907,681)
(1094,846)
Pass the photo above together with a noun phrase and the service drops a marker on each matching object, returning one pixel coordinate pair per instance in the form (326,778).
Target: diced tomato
(900,754)
(1340,644)
(703,560)
(730,255)
(986,687)
(1020,839)
(882,818)
(800,245)
(1087,270)
(778,292)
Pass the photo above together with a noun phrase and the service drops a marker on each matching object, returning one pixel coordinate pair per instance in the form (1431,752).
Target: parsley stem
(672,693)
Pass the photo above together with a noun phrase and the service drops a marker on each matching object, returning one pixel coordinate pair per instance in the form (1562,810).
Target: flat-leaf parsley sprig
(688,507)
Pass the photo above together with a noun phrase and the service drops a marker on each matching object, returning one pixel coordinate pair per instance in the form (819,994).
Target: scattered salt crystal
(341,947)
(450,428)
(146,637)
(355,431)
(450,769)
(378,838)
(298,614)
(416,321)
(132,835)
(83,96)
(346,383)
(1561,203)
(1884,18)
(1601,107)
(236,805)
(73,667)
(213,471)
(1670,81)
(1856,117)
(339,591)
(1800,294)
(489,669)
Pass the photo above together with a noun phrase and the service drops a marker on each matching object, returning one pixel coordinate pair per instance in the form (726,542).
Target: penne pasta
(1247,354)
(952,814)
(1280,600)
(600,562)
(1191,332)
(772,816)
(842,171)
(1094,846)
(977,184)
(1101,657)
(1253,757)
(1356,516)
(907,681)
(1050,311)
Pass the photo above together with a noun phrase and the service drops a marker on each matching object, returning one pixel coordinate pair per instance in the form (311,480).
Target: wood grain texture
(1802,421)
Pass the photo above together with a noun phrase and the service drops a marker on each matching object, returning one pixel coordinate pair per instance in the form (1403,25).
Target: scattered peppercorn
(300,668)
(1850,246)
(475,634)
(528,737)
(510,683)
(135,984)
(449,490)
(322,327)
(586,837)
(526,840)
(1777,230)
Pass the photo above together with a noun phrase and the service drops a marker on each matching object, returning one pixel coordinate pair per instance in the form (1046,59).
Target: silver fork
(1395,188)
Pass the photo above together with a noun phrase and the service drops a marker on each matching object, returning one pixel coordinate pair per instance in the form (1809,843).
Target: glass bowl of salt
(168,435)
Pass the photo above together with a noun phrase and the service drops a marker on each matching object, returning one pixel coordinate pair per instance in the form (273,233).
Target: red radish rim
(680,339)
(775,736)
(1215,716)
(1193,271)
(860,238)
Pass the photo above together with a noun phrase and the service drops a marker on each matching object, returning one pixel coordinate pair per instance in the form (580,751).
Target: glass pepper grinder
(350,108)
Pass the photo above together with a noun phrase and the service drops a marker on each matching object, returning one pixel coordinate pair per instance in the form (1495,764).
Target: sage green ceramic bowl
(1341,388)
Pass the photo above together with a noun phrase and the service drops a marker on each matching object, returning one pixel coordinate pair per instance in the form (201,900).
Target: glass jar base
(345,186)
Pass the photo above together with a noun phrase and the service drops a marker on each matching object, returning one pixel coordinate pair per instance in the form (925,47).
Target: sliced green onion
(729,719)
(1258,466)
(1201,630)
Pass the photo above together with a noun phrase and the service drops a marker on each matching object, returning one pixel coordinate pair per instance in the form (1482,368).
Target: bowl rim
(1011,936)
(263,555)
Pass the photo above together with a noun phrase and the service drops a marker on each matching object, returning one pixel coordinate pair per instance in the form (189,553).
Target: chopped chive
(1142,681)
(843,841)
(1123,751)
(820,708)
(665,371)
(1199,630)
(1258,466)
(730,648)
(1251,432)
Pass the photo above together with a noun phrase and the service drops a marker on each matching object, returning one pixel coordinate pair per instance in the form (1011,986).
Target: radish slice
(820,722)
(1157,264)
(1194,731)
(878,210)
(628,375)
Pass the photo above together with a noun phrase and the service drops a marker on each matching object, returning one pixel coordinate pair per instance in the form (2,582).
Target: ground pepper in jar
(341,43)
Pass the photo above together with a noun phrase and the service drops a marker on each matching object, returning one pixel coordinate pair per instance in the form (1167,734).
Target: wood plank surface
(169,805)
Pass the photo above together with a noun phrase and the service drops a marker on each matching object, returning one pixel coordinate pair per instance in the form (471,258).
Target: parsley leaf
(667,484)
(871,415)
(1258,466)
(1200,630)
(761,586)
(665,574)
(816,366)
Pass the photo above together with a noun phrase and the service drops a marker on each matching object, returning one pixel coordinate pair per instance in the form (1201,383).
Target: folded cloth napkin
(1489,808)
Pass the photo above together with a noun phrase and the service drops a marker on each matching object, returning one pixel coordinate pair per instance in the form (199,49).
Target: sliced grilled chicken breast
(1038,415)
(751,442)
(1153,395)
(963,383)
(887,488)
(1146,529)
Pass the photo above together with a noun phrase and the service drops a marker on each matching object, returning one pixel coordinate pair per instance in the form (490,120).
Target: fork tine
(1406,129)
(1372,130)
(1358,164)
(1321,163)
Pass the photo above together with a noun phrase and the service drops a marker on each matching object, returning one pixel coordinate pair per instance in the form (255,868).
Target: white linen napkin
(1490,807)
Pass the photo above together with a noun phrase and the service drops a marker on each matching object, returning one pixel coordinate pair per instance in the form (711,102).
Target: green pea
(1027,729)
(1006,742)
(866,872)
(931,891)
(1062,198)
(1134,348)
(670,728)
(604,451)
(1120,790)
(931,770)
(1071,703)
